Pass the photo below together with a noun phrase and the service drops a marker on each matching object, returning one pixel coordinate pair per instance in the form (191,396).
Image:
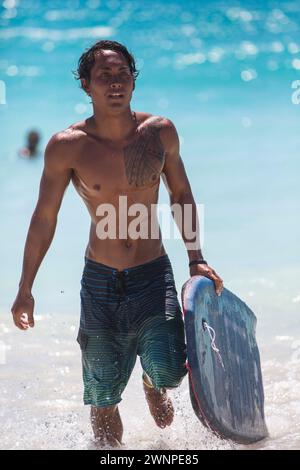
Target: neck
(114,126)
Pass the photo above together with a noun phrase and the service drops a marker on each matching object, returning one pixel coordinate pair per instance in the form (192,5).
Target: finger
(216,274)
(20,321)
(217,281)
(24,319)
(21,326)
(211,275)
(30,319)
(206,271)
(23,322)
(219,286)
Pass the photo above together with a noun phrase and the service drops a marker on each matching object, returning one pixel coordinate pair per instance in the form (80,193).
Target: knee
(102,412)
(171,383)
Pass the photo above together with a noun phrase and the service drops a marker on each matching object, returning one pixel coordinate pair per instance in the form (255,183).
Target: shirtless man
(129,303)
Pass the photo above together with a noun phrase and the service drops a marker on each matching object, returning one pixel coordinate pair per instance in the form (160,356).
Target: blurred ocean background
(224,73)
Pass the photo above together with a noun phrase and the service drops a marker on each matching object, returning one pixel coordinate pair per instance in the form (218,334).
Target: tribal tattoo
(144,157)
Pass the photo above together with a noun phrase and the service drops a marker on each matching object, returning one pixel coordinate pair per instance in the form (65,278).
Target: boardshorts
(125,314)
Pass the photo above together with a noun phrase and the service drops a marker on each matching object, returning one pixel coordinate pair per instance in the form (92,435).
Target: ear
(85,86)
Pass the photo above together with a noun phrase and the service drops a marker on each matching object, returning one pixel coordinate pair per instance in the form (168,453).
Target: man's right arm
(55,178)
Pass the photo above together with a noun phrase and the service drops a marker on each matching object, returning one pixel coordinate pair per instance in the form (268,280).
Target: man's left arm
(179,189)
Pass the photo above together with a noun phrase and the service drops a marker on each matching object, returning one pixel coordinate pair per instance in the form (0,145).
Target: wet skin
(104,170)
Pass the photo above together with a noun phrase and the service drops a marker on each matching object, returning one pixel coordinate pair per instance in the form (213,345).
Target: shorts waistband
(101,268)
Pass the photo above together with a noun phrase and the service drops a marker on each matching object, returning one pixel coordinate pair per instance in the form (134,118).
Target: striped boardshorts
(125,314)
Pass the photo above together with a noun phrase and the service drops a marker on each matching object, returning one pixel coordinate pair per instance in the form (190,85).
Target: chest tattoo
(145,155)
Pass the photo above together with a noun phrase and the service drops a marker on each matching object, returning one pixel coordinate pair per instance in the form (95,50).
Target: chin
(119,105)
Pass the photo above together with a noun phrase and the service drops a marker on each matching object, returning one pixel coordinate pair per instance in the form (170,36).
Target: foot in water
(160,405)
(105,444)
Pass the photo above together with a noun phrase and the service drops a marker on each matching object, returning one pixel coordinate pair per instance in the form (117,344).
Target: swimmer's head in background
(33,138)
(87,59)
(31,146)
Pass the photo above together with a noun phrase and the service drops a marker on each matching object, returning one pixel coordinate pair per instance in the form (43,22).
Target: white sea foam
(41,403)
(284,338)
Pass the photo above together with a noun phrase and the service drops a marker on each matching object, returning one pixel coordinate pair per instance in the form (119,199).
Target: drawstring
(120,285)
(212,335)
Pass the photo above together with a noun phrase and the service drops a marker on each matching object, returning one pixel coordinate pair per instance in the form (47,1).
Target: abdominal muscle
(124,251)
(122,254)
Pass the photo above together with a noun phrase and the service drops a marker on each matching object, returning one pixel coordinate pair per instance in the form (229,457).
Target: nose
(115,85)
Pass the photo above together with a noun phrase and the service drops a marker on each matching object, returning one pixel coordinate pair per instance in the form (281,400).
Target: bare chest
(108,168)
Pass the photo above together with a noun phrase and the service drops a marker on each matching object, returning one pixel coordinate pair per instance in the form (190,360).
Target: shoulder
(166,127)
(71,135)
(64,138)
(167,132)
(62,145)
(160,121)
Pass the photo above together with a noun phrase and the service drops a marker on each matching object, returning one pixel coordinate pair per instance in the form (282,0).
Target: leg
(108,350)
(107,360)
(107,426)
(160,405)
(163,355)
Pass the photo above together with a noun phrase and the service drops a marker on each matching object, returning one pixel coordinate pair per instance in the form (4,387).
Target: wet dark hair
(87,59)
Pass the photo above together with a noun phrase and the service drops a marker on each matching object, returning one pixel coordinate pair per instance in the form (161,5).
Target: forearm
(187,221)
(39,238)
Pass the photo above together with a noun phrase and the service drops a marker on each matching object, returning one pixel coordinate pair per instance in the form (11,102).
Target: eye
(104,75)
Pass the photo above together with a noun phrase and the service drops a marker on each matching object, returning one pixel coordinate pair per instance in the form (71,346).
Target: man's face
(111,82)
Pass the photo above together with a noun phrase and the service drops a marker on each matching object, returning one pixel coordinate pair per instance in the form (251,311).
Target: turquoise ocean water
(224,73)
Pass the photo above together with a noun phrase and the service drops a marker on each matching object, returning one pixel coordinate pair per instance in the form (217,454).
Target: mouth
(115,96)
